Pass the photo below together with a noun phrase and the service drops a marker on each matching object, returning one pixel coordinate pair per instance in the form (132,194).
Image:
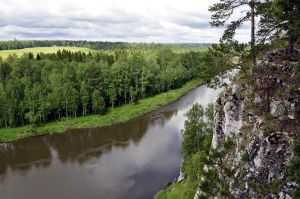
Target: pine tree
(223,10)
(287,12)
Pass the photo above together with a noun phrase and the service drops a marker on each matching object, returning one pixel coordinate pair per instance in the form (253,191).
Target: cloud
(114,20)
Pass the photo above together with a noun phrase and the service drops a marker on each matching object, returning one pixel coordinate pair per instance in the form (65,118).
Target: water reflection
(130,160)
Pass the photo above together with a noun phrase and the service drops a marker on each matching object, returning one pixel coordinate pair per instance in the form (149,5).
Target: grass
(178,191)
(113,116)
(4,53)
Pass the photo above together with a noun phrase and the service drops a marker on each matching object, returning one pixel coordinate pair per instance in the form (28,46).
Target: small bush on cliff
(294,169)
(297,70)
(245,156)
(275,186)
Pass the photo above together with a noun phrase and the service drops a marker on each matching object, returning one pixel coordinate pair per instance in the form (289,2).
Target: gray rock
(181,177)
(277,109)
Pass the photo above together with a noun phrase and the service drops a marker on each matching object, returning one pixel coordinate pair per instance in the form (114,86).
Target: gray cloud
(115,20)
(44,35)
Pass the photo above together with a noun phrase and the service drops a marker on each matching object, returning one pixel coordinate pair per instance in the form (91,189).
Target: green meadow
(4,53)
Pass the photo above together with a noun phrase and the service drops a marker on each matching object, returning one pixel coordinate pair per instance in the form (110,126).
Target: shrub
(245,157)
(274,187)
(297,69)
(229,144)
(269,117)
(294,168)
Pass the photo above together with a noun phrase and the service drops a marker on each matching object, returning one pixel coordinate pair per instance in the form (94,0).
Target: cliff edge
(257,119)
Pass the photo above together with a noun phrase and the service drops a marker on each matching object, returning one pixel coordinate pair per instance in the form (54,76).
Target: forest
(19,44)
(95,45)
(45,87)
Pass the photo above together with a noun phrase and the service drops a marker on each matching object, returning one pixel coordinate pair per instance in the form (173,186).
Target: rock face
(277,109)
(228,116)
(181,177)
(262,141)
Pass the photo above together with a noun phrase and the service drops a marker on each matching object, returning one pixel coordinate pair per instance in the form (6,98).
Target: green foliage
(229,144)
(268,128)
(184,190)
(199,158)
(222,12)
(112,116)
(294,168)
(275,186)
(70,83)
(279,18)
(39,51)
(31,129)
(197,136)
(294,90)
(98,103)
(32,117)
(224,190)
(193,165)
(84,97)
(245,157)
(209,113)
(196,133)
(20,44)
(112,94)
(297,69)
(211,179)
(96,45)
(257,187)
(269,117)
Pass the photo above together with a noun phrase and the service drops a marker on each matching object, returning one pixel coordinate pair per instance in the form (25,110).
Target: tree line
(38,88)
(95,45)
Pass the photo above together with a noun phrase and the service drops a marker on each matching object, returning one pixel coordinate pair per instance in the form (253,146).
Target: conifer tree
(223,10)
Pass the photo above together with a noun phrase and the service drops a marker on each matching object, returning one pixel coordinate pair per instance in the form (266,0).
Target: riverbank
(113,116)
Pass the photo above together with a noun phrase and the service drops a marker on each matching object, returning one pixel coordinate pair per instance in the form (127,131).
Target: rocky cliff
(258,115)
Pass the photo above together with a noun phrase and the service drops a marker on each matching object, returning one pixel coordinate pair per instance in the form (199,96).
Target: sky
(159,21)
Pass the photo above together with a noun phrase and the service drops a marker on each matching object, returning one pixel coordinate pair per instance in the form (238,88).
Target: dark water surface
(131,160)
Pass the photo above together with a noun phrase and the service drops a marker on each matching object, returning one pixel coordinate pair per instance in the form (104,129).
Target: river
(132,160)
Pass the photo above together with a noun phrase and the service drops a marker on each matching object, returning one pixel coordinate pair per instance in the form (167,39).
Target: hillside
(254,149)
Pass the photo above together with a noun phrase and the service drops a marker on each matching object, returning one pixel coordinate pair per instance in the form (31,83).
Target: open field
(113,116)
(4,53)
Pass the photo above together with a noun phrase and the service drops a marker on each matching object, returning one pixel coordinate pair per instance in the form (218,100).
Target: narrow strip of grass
(113,116)
(178,191)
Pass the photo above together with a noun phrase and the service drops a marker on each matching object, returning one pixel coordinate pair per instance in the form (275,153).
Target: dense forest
(96,45)
(38,88)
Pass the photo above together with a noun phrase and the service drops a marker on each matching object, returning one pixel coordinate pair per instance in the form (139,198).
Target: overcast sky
(162,21)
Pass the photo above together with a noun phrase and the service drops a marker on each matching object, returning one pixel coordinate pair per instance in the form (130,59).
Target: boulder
(277,109)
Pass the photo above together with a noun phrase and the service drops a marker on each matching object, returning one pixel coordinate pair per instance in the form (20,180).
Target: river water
(131,160)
